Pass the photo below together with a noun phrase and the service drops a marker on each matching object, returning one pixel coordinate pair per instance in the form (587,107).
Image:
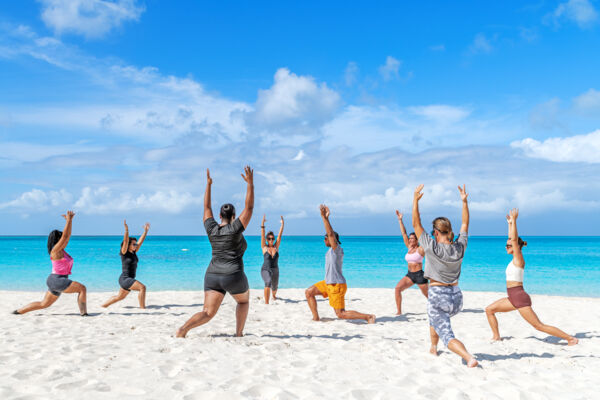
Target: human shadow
(395,318)
(335,336)
(473,310)
(168,306)
(585,335)
(289,300)
(557,340)
(73,314)
(147,313)
(512,356)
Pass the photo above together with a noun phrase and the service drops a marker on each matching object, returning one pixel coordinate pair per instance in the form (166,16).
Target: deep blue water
(567,266)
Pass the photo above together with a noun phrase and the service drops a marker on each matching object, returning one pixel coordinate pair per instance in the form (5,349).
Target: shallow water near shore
(565,266)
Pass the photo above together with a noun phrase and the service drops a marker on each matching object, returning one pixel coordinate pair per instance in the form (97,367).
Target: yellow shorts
(335,292)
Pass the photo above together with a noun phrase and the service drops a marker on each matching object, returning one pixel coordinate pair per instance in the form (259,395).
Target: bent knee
(309,293)
(142,287)
(490,310)
(339,313)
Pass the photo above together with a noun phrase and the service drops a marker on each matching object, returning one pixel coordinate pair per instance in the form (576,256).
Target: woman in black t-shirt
(129,259)
(225,273)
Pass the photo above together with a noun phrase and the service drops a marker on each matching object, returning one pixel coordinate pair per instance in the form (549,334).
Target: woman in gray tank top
(270,268)
(443,262)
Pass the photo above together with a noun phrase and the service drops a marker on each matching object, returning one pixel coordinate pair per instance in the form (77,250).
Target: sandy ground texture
(131,353)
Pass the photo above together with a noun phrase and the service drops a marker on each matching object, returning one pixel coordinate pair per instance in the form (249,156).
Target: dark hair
(53,238)
(443,226)
(270,233)
(337,237)
(412,234)
(130,239)
(227,211)
(522,243)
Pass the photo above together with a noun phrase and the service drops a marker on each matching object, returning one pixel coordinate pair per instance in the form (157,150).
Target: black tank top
(271,262)
(129,261)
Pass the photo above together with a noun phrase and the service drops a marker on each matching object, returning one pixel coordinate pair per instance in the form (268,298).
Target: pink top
(414,257)
(63,266)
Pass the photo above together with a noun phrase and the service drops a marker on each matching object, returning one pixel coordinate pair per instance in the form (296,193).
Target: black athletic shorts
(417,277)
(233,284)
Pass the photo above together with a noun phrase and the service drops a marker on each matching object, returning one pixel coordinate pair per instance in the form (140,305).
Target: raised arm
(64,240)
(464,227)
(280,234)
(207,197)
(513,234)
(416,216)
(125,244)
(246,214)
(263,244)
(330,233)
(402,228)
(143,237)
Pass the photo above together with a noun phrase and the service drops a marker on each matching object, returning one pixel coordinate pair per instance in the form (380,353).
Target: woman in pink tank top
(62,264)
(414,258)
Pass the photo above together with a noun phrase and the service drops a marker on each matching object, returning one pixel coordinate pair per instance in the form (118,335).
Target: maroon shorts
(518,297)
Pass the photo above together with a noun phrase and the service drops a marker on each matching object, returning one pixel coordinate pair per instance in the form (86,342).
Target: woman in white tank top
(517,298)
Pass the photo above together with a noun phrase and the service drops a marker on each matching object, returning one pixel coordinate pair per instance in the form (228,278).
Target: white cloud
(39,200)
(90,18)
(481,45)
(390,70)
(300,156)
(588,103)
(579,148)
(350,74)
(441,113)
(294,100)
(582,12)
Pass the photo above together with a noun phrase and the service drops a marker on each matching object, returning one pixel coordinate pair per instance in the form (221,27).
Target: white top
(514,273)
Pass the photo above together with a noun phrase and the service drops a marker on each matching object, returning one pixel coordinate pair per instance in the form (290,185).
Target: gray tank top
(270,262)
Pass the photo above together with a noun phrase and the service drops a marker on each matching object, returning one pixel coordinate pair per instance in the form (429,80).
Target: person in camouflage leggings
(444,302)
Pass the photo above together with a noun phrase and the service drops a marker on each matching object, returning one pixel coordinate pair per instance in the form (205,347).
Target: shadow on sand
(512,356)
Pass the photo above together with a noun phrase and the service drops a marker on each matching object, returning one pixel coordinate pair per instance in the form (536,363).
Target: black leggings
(236,283)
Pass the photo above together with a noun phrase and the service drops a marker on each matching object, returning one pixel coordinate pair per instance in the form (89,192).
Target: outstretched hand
(463,192)
(69,215)
(418,193)
(248,175)
(514,213)
(400,215)
(324,211)
(146,226)
(208,178)
(125,224)
(282,220)
(264,220)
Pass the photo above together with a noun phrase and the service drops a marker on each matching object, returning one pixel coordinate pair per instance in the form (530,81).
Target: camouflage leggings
(443,303)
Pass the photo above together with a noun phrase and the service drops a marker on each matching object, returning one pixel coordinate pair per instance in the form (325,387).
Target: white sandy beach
(125,351)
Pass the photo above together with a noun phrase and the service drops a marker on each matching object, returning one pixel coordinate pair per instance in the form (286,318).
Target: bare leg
(76,287)
(274,294)
(48,300)
(212,302)
(434,341)
(424,289)
(502,305)
(349,314)
(404,284)
(531,317)
(241,311)
(267,294)
(142,293)
(456,346)
(311,292)
(120,296)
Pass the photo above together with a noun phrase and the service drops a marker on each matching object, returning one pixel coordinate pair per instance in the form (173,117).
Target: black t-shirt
(228,247)
(129,261)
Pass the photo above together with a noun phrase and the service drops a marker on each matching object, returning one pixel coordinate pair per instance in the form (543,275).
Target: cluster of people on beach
(438,281)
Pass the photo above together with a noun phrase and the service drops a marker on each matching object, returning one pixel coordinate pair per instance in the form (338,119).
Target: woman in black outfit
(129,259)
(225,273)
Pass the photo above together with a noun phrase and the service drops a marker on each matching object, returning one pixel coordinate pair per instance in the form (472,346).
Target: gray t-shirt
(443,261)
(228,247)
(333,266)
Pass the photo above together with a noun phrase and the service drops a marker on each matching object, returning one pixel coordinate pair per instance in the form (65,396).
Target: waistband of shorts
(60,276)
(446,289)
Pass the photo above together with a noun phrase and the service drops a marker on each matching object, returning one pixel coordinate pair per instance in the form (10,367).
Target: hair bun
(524,244)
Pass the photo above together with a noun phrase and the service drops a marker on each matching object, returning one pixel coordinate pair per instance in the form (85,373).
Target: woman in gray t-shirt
(225,273)
(443,262)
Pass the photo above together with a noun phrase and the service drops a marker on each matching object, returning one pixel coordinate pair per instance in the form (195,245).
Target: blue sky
(115,109)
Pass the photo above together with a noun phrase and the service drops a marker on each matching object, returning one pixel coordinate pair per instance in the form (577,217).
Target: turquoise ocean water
(567,266)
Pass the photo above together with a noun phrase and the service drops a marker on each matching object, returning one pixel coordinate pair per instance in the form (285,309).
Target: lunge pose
(517,298)
(129,260)
(225,273)
(334,285)
(414,258)
(270,267)
(443,262)
(58,281)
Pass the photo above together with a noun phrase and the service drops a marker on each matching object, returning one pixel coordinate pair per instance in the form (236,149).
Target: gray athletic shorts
(271,277)
(443,302)
(58,283)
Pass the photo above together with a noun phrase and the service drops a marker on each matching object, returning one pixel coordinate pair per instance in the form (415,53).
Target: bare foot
(239,335)
(371,319)
(433,350)
(316,319)
(573,341)
(104,305)
(472,363)
(180,333)
(497,339)
(16,312)
(399,313)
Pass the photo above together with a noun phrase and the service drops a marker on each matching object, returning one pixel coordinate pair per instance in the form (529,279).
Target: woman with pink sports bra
(62,263)
(517,298)
(414,258)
